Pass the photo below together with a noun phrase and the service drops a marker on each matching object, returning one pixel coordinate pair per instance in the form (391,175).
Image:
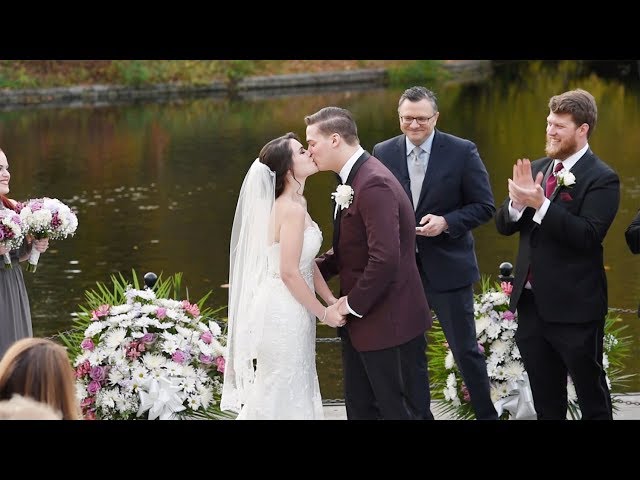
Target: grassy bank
(20,74)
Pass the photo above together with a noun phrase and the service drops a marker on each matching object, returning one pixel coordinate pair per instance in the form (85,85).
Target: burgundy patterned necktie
(552,181)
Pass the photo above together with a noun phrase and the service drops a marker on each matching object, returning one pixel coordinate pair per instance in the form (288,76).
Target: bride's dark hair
(278,156)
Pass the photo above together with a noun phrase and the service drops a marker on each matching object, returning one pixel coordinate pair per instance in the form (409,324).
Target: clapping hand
(524,191)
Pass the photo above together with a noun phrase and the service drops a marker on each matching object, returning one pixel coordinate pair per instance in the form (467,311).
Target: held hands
(524,191)
(433,225)
(334,317)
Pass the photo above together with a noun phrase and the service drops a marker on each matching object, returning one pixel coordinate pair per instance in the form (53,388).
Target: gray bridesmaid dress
(15,314)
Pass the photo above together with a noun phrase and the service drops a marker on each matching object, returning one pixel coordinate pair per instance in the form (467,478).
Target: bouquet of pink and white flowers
(11,233)
(149,358)
(46,218)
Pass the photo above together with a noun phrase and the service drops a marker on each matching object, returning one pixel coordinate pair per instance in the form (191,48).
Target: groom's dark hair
(277,154)
(335,120)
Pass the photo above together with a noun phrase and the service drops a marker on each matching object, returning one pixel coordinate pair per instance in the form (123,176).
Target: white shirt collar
(346,169)
(571,161)
(426,145)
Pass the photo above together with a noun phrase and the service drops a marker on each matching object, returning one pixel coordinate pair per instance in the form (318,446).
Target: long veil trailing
(247,271)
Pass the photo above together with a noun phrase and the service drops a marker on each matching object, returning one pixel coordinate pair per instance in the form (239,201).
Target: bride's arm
(291,239)
(321,286)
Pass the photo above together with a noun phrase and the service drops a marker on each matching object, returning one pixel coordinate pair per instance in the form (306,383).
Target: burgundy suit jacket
(374,252)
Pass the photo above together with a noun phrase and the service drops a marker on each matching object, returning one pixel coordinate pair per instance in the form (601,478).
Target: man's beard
(562,150)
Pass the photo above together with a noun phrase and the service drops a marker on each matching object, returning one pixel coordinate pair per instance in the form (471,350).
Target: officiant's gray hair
(417,93)
(335,120)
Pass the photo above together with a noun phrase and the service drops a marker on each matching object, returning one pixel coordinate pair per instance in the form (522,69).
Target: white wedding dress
(286,383)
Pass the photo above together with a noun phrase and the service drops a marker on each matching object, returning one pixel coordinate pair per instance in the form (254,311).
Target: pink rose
(206,359)
(87,344)
(161,313)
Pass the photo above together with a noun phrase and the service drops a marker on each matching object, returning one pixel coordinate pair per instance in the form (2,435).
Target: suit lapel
(336,222)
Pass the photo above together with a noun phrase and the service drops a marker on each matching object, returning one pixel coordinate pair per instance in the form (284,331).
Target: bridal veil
(247,270)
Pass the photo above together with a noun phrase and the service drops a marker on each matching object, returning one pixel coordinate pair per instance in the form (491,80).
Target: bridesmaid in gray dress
(15,314)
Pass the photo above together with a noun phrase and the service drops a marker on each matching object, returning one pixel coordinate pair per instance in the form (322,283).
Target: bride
(273,279)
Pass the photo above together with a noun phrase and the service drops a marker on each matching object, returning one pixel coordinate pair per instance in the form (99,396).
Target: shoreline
(461,71)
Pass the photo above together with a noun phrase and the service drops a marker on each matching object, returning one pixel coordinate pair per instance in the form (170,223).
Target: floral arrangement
(11,233)
(343,196)
(46,218)
(510,391)
(142,356)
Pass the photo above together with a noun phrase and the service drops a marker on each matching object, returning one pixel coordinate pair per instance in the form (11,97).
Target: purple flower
(87,344)
(508,315)
(93,387)
(179,356)
(480,347)
(148,338)
(98,373)
(206,359)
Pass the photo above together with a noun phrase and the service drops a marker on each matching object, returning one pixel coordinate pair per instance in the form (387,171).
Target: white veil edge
(247,271)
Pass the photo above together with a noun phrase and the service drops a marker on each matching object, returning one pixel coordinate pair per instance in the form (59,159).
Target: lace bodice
(310,248)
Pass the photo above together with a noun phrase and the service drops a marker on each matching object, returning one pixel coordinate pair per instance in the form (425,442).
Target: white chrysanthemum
(189,372)
(173,369)
(500,348)
(115,337)
(481,324)
(206,349)
(153,361)
(119,309)
(507,334)
(605,360)
(515,352)
(215,329)
(140,374)
(205,395)
(142,325)
(81,391)
(499,373)
(81,358)
(513,370)
(149,308)
(218,349)
(93,329)
(449,361)
(115,376)
(494,393)
(106,398)
(493,330)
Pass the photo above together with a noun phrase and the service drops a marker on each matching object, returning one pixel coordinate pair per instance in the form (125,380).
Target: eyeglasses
(420,120)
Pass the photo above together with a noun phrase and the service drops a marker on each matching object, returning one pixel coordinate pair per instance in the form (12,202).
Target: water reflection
(155,184)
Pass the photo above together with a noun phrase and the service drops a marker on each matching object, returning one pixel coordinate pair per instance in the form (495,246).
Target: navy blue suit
(456,186)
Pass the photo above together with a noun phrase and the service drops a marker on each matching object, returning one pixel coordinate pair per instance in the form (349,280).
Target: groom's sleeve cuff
(346,300)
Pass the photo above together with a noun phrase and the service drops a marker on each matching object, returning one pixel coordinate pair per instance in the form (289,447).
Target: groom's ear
(335,139)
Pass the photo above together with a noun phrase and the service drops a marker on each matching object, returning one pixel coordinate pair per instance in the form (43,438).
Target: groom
(383,343)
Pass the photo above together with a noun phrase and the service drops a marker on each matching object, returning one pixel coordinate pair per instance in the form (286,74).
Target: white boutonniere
(343,196)
(565,178)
